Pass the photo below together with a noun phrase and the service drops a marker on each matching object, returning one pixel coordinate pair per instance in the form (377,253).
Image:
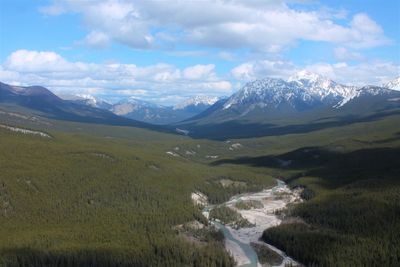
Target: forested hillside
(92,195)
(81,200)
(351,217)
(351,192)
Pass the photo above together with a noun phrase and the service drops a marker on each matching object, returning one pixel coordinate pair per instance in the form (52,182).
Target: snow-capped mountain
(137,109)
(196,104)
(95,101)
(88,100)
(150,112)
(131,104)
(394,84)
(42,100)
(302,102)
(301,91)
(268,92)
(324,88)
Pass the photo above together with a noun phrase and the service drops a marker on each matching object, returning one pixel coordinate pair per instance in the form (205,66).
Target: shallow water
(247,248)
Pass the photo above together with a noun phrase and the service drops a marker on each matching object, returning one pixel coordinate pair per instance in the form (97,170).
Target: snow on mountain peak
(268,91)
(89,100)
(394,84)
(132,104)
(138,103)
(196,101)
(306,75)
(321,86)
(303,86)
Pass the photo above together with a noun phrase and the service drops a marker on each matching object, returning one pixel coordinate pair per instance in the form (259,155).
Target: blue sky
(165,51)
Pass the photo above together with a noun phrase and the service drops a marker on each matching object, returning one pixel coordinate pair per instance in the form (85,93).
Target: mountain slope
(196,104)
(394,84)
(148,112)
(303,103)
(42,101)
(89,100)
(157,114)
(88,108)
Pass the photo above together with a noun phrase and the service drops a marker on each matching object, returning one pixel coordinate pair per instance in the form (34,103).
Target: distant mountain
(157,114)
(196,104)
(45,103)
(270,106)
(264,106)
(88,100)
(302,91)
(146,111)
(9,92)
(394,84)
(130,105)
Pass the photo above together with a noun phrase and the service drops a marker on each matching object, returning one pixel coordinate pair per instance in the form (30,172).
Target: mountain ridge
(42,101)
(268,104)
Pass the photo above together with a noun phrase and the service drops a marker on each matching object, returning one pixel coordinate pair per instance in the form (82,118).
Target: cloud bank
(267,26)
(222,31)
(166,83)
(152,82)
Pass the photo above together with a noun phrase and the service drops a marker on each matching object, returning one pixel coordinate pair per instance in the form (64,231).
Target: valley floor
(238,241)
(95,195)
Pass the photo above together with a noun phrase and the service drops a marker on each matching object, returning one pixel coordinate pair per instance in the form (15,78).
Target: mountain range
(394,84)
(157,114)
(88,100)
(304,102)
(41,101)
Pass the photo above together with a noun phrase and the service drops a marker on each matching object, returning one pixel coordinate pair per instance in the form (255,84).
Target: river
(237,241)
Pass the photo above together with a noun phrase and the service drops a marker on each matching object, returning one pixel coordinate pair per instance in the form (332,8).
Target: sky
(167,51)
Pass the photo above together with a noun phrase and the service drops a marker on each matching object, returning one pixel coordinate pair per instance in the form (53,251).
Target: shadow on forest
(334,166)
(359,217)
(237,129)
(88,258)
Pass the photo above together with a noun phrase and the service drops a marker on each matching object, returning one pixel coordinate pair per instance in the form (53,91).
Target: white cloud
(155,81)
(34,61)
(225,55)
(268,26)
(343,54)
(366,32)
(371,72)
(263,68)
(244,72)
(52,10)
(374,72)
(97,39)
(199,72)
(190,53)
(166,83)
(137,92)
(119,19)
